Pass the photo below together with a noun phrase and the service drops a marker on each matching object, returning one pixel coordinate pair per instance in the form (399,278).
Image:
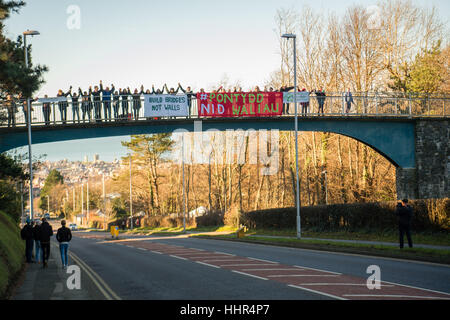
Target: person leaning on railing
(321,96)
(116,104)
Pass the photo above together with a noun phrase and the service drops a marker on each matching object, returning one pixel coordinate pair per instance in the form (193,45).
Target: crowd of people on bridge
(106,104)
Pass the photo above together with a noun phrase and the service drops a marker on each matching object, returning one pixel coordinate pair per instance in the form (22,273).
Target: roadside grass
(12,257)
(170,231)
(431,238)
(421,254)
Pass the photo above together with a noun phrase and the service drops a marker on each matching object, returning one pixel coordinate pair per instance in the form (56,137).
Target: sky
(141,42)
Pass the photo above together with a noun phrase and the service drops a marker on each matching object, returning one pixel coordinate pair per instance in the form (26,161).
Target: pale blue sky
(136,42)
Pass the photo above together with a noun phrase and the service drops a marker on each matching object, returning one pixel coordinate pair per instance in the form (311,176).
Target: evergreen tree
(14,77)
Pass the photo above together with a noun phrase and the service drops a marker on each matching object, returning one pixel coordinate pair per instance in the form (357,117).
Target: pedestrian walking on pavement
(37,242)
(404,213)
(44,237)
(27,234)
(64,235)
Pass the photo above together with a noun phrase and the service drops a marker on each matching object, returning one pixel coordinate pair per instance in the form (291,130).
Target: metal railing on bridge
(13,114)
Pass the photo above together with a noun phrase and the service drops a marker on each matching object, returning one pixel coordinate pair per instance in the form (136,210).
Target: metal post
(131,200)
(104,202)
(30,160)
(87,202)
(184,192)
(296,143)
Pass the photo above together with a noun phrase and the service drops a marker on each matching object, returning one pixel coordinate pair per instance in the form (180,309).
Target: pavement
(54,282)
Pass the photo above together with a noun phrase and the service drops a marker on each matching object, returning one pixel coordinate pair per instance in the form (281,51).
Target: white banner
(302,96)
(165,105)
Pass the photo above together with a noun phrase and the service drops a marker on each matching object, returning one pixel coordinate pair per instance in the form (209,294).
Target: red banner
(240,104)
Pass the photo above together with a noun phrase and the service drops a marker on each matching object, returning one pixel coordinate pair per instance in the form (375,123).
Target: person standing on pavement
(44,237)
(404,213)
(64,235)
(37,242)
(27,234)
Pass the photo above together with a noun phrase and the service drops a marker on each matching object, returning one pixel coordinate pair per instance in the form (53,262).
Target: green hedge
(12,253)
(429,215)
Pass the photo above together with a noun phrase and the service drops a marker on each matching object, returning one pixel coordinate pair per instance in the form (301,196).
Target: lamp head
(31,33)
(289,35)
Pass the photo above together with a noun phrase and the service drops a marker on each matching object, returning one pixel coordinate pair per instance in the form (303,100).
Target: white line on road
(263,260)
(249,275)
(302,275)
(143,249)
(207,264)
(156,252)
(317,292)
(270,269)
(245,265)
(301,267)
(177,257)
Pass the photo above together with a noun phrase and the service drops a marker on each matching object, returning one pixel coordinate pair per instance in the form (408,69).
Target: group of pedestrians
(37,236)
(108,104)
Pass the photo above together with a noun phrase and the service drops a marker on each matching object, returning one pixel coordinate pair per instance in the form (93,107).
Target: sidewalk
(51,283)
(425,246)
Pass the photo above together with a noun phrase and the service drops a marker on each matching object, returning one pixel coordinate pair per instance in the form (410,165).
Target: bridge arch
(392,138)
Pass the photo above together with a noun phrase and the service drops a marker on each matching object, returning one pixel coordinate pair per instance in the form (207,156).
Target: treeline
(393,46)
(333,169)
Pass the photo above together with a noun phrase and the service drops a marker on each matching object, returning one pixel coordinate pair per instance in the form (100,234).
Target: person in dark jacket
(106,98)
(97,103)
(27,234)
(75,106)
(45,234)
(321,96)
(37,242)
(404,213)
(136,96)
(62,105)
(285,105)
(64,235)
(125,94)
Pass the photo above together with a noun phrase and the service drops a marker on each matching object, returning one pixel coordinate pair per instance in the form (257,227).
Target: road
(182,268)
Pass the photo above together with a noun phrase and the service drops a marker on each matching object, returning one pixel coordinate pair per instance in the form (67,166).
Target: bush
(429,215)
(213,218)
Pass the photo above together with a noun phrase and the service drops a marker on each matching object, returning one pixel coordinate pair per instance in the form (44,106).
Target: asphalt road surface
(181,268)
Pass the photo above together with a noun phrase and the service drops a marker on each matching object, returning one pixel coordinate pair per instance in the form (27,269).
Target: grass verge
(419,254)
(12,258)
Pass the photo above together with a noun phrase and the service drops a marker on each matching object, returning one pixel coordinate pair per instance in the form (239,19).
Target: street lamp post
(297,195)
(30,161)
(131,200)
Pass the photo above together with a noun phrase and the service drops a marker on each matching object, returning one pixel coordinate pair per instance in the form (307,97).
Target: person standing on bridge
(348,98)
(64,235)
(404,213)
(106,98)
(190,95)
(286,105)
(46,110)
(62,105)
(12,109)
(45,233)
(125,94)
(320,100)
(75,106)
(97,103)
(116,105)
(137,102)
(86,105)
